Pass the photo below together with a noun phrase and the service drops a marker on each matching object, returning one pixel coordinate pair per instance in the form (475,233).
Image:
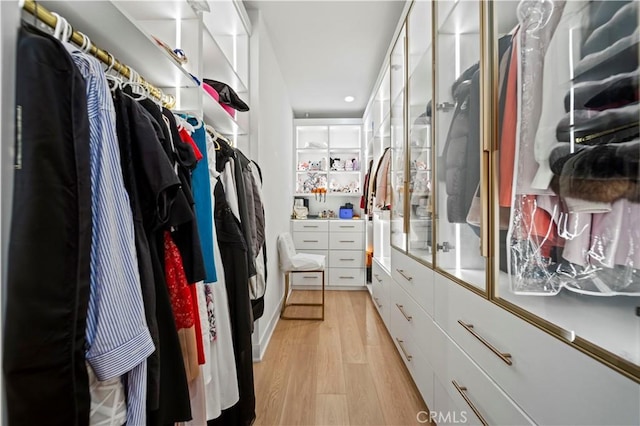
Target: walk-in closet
(320,212)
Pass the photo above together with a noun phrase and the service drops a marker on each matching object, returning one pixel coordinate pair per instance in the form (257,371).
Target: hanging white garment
(229,183)
(221,382)
(197,390)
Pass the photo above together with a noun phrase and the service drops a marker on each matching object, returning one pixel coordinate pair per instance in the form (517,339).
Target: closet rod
(32,7)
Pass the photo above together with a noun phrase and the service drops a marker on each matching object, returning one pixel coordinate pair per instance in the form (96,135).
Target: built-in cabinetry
(341,242)
(518,269)
(214,36)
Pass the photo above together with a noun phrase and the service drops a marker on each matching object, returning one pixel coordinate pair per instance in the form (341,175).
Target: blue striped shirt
(117,335)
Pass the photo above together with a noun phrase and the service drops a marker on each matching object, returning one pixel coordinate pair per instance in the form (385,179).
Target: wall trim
(260,348)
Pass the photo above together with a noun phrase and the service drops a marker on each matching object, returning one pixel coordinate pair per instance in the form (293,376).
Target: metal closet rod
(51,20)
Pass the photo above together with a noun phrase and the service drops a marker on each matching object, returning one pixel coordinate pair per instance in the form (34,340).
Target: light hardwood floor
(342,371)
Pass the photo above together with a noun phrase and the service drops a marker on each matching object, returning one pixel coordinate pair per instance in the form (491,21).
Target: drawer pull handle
(310,226)
(462,390)
(347,278)
(404,351)
(344,260)
(377,277)
(506,357)
(350,226)
(347,241)
(407,317)
(378,302)
(405,276)
(310,241)
(307,277)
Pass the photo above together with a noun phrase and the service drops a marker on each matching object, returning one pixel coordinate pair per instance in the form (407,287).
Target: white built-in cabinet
(479,350)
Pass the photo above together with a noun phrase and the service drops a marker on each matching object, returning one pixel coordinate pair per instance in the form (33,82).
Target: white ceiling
(329,49)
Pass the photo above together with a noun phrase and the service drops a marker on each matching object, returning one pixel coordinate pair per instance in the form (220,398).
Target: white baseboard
(260,348)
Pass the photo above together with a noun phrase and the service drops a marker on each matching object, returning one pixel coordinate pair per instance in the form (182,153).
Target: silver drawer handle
(405,276)
(407,317)
(350,226)
(307,277)
(462,390)
(404,351)
(506,357)
(347,241)
(309,226)
(347,278)
(377,302)
(377,277)
(309,241)
(344,260)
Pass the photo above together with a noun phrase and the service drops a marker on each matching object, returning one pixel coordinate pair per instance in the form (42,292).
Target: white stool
(291,263)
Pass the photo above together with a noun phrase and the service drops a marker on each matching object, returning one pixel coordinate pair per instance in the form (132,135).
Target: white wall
(271,147)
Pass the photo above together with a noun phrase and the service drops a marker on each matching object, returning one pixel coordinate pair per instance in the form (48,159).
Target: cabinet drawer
(417,322)
(306,279)
(346,277)
(346,225)
(416,361)
(346,259)
(310,226)
(311,241)
(538,361)
(380,283)
(346,241)
(452,365)
(415,278)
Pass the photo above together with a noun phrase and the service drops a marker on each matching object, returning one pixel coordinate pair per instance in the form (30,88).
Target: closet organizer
(136,265)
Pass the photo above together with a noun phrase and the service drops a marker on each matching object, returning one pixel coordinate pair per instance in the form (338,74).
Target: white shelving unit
(328,156)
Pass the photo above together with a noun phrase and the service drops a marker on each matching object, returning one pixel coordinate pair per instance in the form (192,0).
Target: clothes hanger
(86,43)
(116,80)
(60,25)
(215,136)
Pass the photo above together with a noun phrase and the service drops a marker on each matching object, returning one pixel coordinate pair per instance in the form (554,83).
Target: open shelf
(219,118)
(216,65)
(157,66)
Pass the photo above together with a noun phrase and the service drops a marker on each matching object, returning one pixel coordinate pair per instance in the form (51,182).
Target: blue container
(346,213)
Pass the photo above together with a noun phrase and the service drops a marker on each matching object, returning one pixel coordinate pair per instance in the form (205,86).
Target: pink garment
(214,94)
(211,91)
(383,182)
(230,111)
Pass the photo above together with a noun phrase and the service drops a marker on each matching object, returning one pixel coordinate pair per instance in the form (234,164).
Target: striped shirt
(118,340)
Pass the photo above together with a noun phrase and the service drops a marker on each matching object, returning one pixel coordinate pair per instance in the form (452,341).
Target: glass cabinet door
(458,143)
(381,142)
(567,204)
(420,94)
(398,152)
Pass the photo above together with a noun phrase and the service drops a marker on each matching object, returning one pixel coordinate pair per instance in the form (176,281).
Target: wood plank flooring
(343,371)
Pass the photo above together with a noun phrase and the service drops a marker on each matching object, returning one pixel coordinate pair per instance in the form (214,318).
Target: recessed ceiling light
(349,99)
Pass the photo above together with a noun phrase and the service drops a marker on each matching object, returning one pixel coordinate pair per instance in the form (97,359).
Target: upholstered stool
(292,263)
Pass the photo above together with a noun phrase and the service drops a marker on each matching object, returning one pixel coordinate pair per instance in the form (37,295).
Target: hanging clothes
(157,187)
(51,225)
(203,203)
(117,335)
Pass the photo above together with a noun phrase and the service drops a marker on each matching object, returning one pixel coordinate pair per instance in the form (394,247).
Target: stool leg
(323,295)
(286,293)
